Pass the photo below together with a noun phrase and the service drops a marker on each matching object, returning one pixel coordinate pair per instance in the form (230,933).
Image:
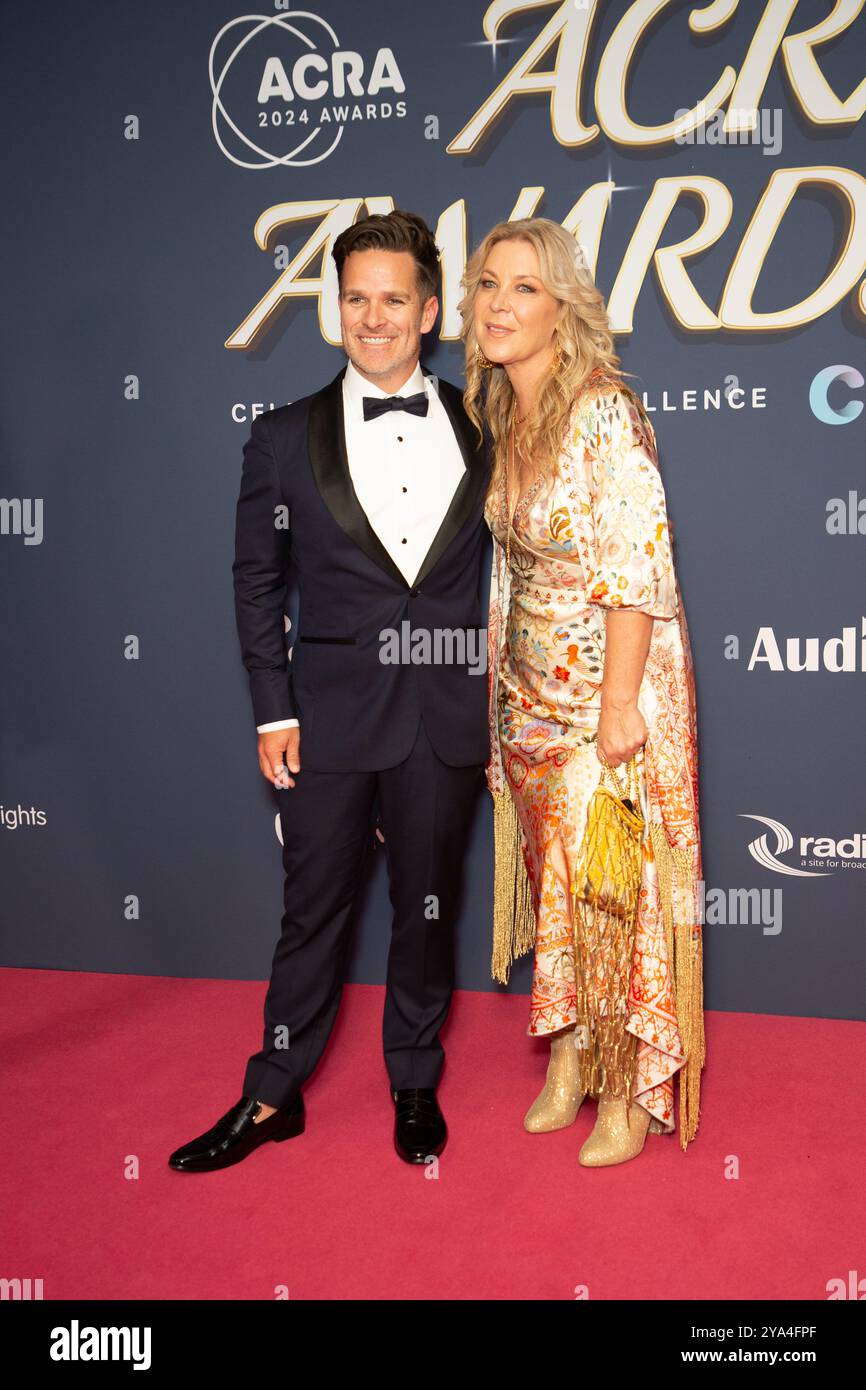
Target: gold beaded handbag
(608,876)
(605,894)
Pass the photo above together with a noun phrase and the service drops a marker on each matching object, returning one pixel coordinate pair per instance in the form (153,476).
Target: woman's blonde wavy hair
(583,333)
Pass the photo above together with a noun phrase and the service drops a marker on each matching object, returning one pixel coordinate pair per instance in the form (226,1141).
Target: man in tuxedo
(383,483)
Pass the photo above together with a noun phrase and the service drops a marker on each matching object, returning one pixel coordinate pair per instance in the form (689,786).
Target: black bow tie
(379,405)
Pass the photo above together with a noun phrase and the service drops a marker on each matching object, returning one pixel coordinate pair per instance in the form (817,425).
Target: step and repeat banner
(175,177)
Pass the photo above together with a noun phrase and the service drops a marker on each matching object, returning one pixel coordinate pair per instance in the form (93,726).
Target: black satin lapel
(467,494)
(452,399)
(329,460)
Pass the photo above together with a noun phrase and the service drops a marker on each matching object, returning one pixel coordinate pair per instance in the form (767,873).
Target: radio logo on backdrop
(819,854)
(284,90)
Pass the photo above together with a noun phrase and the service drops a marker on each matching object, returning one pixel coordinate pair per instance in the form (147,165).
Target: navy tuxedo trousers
(328,822)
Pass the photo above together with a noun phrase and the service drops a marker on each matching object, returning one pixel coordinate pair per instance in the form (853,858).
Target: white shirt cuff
(278,724)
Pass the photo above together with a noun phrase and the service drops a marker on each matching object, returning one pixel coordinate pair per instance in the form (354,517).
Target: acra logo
(284,90)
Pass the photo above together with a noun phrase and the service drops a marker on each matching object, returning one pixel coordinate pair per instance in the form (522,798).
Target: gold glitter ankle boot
(619,1134)
(557,1105)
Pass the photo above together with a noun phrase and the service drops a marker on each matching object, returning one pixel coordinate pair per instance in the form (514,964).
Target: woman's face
(515,316)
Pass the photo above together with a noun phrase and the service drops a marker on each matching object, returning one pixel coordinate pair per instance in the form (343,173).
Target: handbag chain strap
(631,775)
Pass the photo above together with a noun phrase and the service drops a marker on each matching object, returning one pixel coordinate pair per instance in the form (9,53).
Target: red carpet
(103,1072)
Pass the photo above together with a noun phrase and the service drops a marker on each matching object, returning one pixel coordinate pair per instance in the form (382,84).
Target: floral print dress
(594,538)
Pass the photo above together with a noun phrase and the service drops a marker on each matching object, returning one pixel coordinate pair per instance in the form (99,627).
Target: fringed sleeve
(514,922)
(678,891)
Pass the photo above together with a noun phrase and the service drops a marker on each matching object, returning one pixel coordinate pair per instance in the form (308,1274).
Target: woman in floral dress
(589,663)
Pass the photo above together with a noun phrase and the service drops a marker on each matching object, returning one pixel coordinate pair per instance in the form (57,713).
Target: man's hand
(272,746)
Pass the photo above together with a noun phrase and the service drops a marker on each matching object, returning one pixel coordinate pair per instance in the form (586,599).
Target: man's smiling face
(382,315)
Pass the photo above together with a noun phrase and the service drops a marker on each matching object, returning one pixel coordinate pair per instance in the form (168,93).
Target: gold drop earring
(481,361)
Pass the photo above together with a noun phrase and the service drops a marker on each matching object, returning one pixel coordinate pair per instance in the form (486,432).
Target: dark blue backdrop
(139,834)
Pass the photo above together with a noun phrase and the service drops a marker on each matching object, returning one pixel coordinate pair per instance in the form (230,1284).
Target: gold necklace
(515,421)
(509,474)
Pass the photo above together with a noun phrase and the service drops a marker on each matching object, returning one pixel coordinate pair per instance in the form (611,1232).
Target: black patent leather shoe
(419,1127)
(236,1134)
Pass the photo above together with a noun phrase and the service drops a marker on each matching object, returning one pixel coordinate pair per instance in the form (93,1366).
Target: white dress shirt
(404,468)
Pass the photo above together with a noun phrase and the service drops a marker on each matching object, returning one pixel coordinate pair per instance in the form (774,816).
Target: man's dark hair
(393,231)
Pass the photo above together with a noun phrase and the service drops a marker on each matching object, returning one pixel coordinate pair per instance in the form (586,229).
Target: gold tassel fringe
(685,954)
(514,923)
(605,901)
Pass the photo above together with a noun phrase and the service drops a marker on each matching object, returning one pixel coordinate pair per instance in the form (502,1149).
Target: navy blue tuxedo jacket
(356,711)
